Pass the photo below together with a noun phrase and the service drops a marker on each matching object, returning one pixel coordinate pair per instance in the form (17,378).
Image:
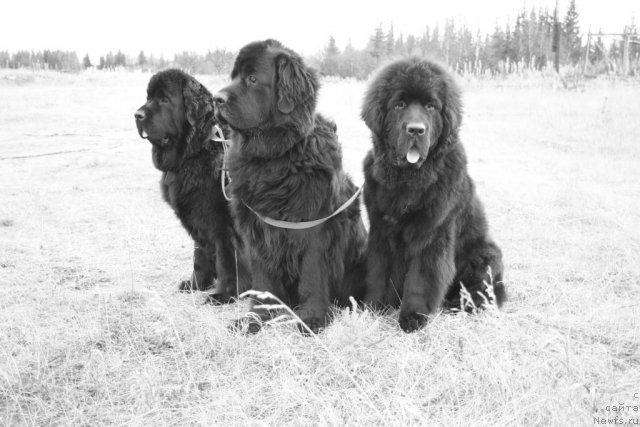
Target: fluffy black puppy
(429,233)
(286,163)
(178,119)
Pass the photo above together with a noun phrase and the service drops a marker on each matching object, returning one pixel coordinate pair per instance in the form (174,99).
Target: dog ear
(451,108)
(197,101)
(451,113)
(295,83)
(373,107)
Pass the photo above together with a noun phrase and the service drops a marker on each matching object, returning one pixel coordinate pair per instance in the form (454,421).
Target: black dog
(428,230)
(286,163)
(178,119)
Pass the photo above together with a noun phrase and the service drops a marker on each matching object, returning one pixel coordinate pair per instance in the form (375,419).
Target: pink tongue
(413,155)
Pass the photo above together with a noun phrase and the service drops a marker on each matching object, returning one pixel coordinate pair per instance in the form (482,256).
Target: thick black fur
(177,119)
(286,163)
(428,229)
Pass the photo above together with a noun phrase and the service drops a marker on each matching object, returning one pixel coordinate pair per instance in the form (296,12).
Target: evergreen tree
(496,49)
(543,41)
(399,47)
(571,34)
(411,45)
(520,36)
(332,48)
(109,62)
(5,58)
(86,62)
(120,60)
(377,45)
(142,59)
(509,52)
(390,42)
(348,61)
(434,48)
(69,61)
(37,59)
(466,48)
(449,46)
(330,62)
(424,43)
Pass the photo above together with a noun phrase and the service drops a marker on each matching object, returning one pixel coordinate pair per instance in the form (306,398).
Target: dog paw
(186,286)
(220,299)
(314,325)
(189,286)
(411,322)
(246,325)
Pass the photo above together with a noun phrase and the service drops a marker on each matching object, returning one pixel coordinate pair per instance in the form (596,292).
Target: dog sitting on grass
(429,235)
(178,121)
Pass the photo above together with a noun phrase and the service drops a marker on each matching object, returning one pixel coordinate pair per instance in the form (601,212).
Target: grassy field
(93,331)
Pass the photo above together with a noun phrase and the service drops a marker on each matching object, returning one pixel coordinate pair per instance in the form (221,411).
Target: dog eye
(430,107)
(400,105)
(252,79)
(164,100)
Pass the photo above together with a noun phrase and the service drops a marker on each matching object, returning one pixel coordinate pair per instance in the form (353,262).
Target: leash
(305,224)
(218,136)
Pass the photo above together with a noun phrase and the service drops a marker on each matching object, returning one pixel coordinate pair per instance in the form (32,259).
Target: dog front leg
(313,288)
(257,314)
(226,260)
(429,275)
(204,270)
(379,259)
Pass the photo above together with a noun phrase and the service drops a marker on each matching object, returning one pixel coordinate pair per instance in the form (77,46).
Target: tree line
(213,62)
(49,59)
(529,43)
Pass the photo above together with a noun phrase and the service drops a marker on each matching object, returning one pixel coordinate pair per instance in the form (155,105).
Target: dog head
(271,87)
(412,107)
(177,110)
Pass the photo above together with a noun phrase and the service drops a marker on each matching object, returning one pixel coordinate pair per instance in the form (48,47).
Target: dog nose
(415,129)
(139,115)
(220,98)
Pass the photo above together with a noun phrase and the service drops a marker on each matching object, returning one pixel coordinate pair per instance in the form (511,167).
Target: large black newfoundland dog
(429,234)
(178,119)
(285,164)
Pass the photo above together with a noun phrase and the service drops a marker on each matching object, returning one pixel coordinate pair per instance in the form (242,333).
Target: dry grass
(92,331)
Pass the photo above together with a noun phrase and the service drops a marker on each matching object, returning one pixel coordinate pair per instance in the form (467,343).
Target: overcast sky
(167,27)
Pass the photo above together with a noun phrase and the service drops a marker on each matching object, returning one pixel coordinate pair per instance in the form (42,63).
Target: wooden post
(556,39)
(625,54)
(586,55)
